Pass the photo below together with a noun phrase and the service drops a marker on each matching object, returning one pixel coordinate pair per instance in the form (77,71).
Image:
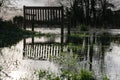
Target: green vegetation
(86,12)
(66,75)
(82,35)
(83,75)
(84,28)
(18,21)
(10,34)
(44,74)
(105,77)
(1,68)
(103,38)
(86,75)
(70,69)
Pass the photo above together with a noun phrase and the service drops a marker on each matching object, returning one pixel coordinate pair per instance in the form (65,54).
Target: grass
(80,35)
(47,75)
(105,77)
(1,68)
(70,67)
(66,75)
(83,27)
(86,75)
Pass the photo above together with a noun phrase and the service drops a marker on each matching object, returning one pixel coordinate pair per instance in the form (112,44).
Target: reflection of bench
(45,51)
(41,51)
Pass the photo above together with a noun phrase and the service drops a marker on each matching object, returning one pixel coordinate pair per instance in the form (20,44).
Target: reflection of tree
(94,48)
(41,50)
(103,42)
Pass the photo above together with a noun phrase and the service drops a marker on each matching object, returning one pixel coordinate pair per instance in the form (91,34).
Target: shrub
(105,77)
(84,28)
(86,75)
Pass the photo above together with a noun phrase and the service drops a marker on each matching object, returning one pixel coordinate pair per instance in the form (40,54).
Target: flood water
(100,54)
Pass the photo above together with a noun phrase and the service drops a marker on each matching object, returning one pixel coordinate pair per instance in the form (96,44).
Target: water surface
(98,54)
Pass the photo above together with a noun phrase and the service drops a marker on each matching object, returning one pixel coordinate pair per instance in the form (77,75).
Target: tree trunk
(93,10)
(87,6)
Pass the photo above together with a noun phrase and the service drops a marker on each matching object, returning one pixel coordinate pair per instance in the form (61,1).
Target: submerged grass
(103,38)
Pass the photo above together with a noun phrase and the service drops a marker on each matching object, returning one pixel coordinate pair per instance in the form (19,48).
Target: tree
(74,10)
(1,2)
(95,12)
(105,10)
(87,10)
(18,21)
(5,5)
(5,2)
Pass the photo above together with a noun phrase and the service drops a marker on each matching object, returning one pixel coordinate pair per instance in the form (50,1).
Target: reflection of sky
(110,66)
(112,62)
